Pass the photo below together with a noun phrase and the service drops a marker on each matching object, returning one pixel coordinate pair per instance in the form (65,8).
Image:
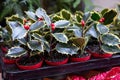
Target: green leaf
(110,39)
(95,16)
(39,37)
(110,49)
(57,18)
(22,41)
(109,17)
(41,12)
(18,31)
(79,13)
(35,45)
(61,23)
(36,25)
(31,15)
(104,11)
(92,32)
(78,18)
(86,16)
(79,42)
(61,37)
(76,3)
(65,14)
(66,48)
(102,29)
(16,52)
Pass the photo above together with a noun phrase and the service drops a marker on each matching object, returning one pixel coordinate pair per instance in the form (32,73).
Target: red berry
(82,23)
(40,19)
(52,26)
(102,20)
(27,27)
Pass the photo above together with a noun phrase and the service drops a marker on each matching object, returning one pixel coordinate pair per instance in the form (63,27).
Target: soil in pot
(55,59)
(80,57)
(29,63)
(96,52)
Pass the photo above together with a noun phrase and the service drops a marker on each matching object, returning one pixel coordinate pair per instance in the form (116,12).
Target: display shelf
(11,72)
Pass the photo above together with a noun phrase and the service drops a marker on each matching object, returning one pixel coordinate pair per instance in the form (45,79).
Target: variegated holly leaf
(76,30)
(36,25)
(18,31)
(36,45)
(31,15)
(61,37)
(78,18)
(109,16)
(42,13)
(65,14)
(104,11)
(86,16)
(16,52)
(95,16)
(80,42)
(66,48)
(57,18)
(111,49)
(110,39)
(102,29)
(23,41)
(39,37)
(92,32)
(61,23)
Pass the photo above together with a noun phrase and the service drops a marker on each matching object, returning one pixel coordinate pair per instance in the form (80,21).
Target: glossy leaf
(31,15)
(35,45)
(41,12)
(65,14)
(16,52)
(79,42)
(61,37)
(104,11)
(110,39)
(78,18)
(61,23)
(95,16)
(110,49)
(36,25)
(102,29)
(39,37)
(18,31)
(109,17)
(92,32)
(86,16)
(66,49)
(57,18)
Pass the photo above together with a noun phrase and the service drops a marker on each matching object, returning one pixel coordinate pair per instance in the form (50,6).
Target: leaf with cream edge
(39,37)
(18,30)
(92,32)
(111,49)
(61,37)
(95,16)
(61,23)
(42,13)
(102,29)
(65,14)
(31,15)
(36,25)
(16,52)
(36,45)
(78,18)
(110,39)
(66,48)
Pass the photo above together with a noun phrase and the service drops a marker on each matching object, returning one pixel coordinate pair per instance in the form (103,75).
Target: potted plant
(106,42)
(30,49)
